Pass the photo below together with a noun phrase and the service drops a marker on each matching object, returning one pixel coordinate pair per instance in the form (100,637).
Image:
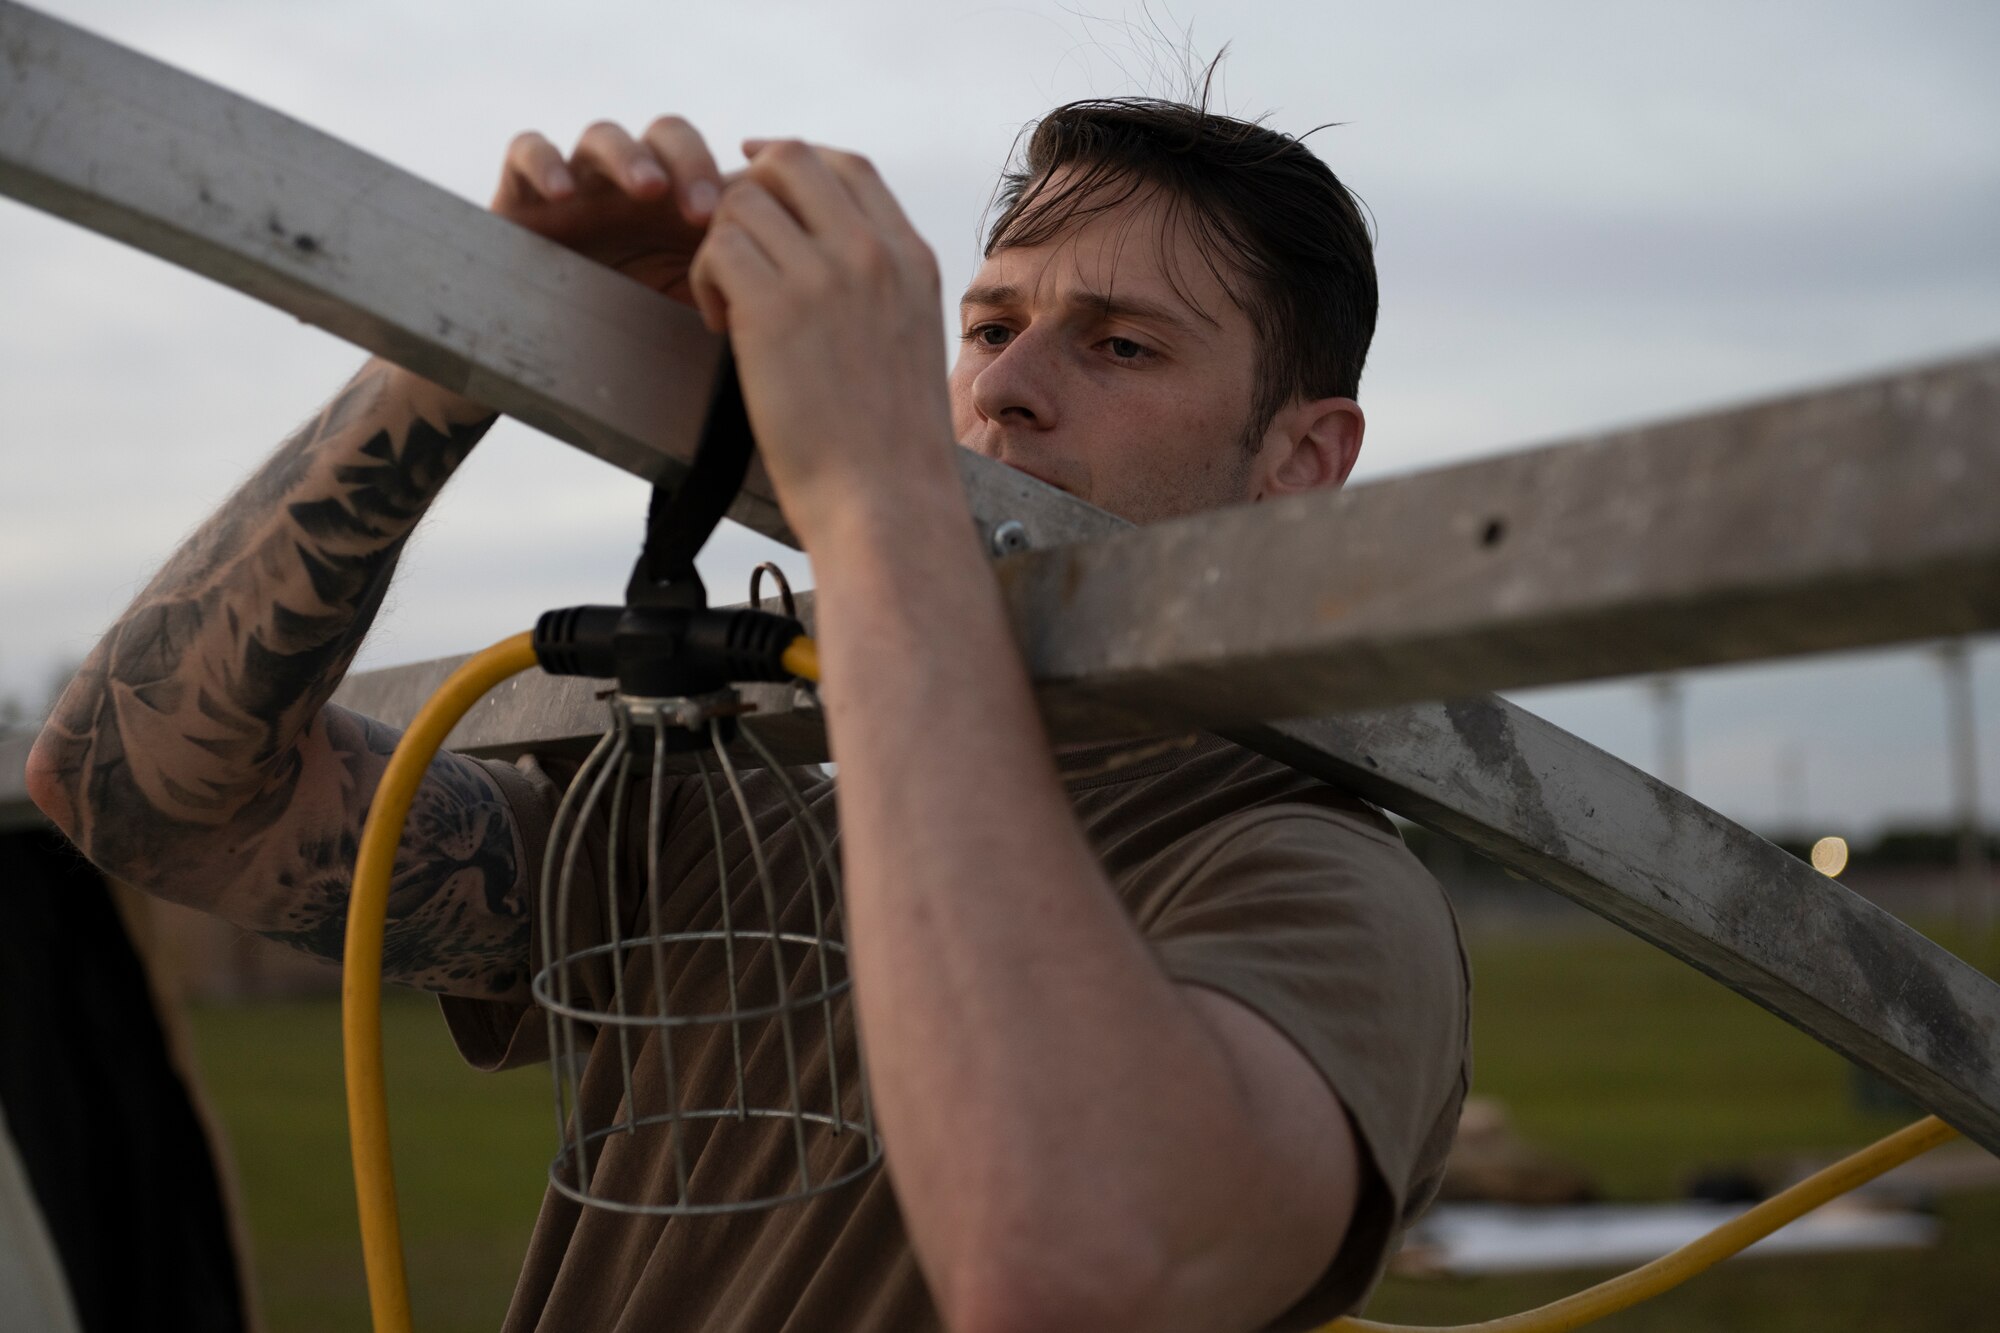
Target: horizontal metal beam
(217,184)
(1864,514)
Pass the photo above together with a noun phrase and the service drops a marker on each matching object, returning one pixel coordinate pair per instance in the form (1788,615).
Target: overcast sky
(1588,215)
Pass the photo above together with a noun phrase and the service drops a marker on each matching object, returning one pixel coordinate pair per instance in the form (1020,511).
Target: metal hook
(785,598)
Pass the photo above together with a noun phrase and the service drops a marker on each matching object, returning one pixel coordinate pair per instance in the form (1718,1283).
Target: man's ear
(1310,446)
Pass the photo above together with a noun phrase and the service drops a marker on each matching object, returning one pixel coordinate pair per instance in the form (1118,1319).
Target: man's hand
(640,206)
(830,299)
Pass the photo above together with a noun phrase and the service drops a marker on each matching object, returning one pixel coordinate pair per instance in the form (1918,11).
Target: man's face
(1083,365)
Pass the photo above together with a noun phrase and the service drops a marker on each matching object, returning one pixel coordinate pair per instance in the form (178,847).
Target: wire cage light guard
(785,988)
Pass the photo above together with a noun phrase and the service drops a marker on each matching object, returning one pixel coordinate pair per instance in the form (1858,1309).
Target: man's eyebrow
(994,294)
(1097,303)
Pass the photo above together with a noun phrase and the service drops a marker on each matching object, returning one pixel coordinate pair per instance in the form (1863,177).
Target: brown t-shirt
(1246,877)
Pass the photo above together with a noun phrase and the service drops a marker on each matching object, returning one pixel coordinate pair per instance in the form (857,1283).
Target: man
(1180,1049)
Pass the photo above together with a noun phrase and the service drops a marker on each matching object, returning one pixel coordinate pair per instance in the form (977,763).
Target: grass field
(1604,1050)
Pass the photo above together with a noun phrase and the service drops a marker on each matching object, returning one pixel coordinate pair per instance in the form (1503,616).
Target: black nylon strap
(679,521)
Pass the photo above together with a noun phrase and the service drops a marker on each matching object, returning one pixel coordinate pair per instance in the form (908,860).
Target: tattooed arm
(196,756)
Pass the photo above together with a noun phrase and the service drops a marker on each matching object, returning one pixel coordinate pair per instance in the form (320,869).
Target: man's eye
(1125,349)
(988,335)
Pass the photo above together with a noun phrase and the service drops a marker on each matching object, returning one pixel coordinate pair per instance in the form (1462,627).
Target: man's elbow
(1022,1309)
(1055,1275)
(1047,1292)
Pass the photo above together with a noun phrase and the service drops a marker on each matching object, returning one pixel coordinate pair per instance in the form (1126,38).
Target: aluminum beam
(1858,515)
(182,169)
(187,171)
(1681,876)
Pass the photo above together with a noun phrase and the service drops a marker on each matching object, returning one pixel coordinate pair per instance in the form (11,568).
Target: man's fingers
(697,180)
(704,289)
(751,209)
(534,169)
(730,257)
(857,176)
(792,227)
(797,175)
(607,151)
(869,190)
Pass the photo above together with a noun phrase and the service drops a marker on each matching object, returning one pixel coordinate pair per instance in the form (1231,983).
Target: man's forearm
(1039,1079)
(187,714)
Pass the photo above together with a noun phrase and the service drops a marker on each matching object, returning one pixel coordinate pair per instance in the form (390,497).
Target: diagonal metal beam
(1680,876)
(143,153)
(146,154)
(120,143)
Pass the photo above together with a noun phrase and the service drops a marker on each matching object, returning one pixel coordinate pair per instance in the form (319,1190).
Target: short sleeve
(1331,930)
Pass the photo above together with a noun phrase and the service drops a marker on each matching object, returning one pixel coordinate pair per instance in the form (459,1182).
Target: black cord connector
(665,652)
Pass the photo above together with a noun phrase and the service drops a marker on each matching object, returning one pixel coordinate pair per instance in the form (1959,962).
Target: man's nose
(1017,386)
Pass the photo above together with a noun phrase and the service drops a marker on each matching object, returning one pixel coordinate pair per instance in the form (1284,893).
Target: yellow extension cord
(361,975)
(1670,1270)
(368,1109)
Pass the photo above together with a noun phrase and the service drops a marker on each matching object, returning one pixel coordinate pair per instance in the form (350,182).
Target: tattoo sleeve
(196,756)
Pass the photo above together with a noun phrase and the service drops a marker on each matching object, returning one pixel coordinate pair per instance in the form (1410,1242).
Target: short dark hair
(1272,222)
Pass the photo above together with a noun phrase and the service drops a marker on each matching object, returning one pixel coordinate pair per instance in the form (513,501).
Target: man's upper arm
(1345,1012)
(1307,1181)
